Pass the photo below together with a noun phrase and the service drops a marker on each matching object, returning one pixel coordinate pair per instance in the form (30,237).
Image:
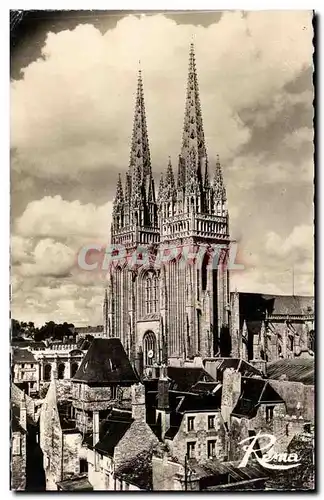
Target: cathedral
(173,305)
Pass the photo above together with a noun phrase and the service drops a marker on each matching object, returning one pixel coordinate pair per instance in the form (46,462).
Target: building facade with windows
(166,300)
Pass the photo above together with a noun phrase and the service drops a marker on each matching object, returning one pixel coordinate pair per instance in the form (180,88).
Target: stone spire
(181,180)
(119,197)
(192,185)
(193,133)
(161,190)
(137,197)
(169,185)
(218,183)
(140,152)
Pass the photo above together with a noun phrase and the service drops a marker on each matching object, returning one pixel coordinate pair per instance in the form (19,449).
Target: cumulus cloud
(71,123)
(57,218)
(50,258)
(69,111)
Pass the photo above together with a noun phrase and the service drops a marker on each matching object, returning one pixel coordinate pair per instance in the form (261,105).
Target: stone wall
(72,443)
(51,439)
(296,393)
(166,475)
(18,461)
(201,434)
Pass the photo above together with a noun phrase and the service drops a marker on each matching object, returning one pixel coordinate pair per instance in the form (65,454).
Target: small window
(16,445)
(113,392)
(191,423)
(191,449)
(211,449)
(22,365)
(31,365)
(269,413)
(211,421)
(83,465)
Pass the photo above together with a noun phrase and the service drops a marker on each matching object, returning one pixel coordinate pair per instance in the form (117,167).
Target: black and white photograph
(162,298)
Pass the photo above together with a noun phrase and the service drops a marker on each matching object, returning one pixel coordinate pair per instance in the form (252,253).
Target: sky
(73,84)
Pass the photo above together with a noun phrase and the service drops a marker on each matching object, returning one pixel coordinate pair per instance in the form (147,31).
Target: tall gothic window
(151,294)
(149,348)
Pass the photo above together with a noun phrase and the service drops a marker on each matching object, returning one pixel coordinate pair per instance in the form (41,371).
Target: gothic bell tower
(193,213)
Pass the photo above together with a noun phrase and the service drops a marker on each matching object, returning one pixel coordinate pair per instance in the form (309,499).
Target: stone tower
(168,283)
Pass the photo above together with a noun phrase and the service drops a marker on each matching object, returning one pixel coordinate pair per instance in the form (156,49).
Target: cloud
(51,258)
(54,217)
(69,111)
(71,123)
(275,264)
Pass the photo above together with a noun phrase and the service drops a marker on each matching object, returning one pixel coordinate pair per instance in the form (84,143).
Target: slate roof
(106,362)
(210,472)
(184,378)
(112,430)
(254,306)
(200,402)
(79,483)
(289,304)
(244,367)
(254,392)
(204,387)
(137,471)
(295,369)
(23,356)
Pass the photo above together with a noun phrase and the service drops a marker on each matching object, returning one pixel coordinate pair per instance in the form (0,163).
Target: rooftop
(137,471)
(254,392)
(184,378)
(78,483)
(112,430)
(23,356)
(294,370)
(106,362)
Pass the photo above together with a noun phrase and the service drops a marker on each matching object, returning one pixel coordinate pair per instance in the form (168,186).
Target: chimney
(231,391)
(23,412)
(163,406)
(139,362)
(95,438)
(138,402)
(95,427)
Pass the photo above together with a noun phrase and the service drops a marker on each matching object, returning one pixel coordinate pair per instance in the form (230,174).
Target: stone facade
(166,298)
(25,370)
(61,445)
(266,328)
(65,359)
(19,448)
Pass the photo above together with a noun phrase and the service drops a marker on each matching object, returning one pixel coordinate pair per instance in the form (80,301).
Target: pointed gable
(106,362)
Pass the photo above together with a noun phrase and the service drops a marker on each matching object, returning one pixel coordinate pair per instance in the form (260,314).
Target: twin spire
(192,176)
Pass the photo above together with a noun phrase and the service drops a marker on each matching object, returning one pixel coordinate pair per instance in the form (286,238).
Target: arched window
(74,368)
(47,372)
(149,348)
(150,294)
(60,371)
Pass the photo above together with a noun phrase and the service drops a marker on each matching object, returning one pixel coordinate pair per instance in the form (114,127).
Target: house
(121,455)
(18,445)
(25,370)
(102,381)
(60,440)
(202,432)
